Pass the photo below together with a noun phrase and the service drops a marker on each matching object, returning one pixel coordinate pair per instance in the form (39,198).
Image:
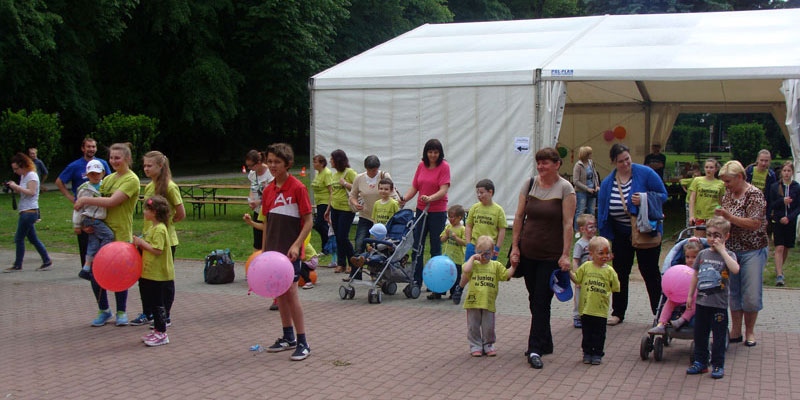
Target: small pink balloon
(270,274)
(676,282)
(608,135)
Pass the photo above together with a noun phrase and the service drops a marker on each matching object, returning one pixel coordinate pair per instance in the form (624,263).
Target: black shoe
(535,361)
(435,296)
(84,274)
(45,267)
(456,295)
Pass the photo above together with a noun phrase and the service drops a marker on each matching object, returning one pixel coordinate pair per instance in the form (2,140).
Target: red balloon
(117,266)
(620,132)
(608,135)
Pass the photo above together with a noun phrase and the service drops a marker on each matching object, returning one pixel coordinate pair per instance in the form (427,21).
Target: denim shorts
(746,286)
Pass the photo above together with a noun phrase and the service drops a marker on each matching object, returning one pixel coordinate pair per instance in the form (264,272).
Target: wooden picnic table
(209,195)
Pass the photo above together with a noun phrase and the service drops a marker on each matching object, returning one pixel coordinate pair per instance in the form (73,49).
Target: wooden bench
(199,204)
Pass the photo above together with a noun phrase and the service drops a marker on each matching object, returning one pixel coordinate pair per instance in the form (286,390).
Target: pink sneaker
(158,339)
(149,336)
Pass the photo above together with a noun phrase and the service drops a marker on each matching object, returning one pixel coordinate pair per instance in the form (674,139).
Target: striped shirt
(615,209)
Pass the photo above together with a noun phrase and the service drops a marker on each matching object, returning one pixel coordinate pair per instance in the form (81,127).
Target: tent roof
(706,47)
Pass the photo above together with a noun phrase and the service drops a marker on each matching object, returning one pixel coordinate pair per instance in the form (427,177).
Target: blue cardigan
(644,180)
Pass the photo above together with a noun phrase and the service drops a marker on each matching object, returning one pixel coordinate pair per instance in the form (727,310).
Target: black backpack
(219,267)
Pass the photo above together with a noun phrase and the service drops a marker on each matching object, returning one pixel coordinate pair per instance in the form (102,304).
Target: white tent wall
(476,125)
(476,87)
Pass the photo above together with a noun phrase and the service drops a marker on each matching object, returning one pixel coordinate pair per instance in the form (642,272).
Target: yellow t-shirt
(319,186)
(174,199)
(341,200)
(486,220)
(158,267)
(596,287)
(382,212)
(451,248)
(484,285)
(120,218)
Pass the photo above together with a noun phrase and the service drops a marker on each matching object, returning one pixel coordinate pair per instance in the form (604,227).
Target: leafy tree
(372,22)
(687,138)
(746,140)
(48,51)
(534,9)
(139,130)
(21,130)
(479,10)
(600,7)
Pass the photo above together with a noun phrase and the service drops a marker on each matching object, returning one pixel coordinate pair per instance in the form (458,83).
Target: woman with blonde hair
(744,206)
(156,167)
(28,189)
(586,181)
(120,192)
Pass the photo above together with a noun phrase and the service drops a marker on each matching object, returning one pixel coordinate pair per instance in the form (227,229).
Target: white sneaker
(308,285)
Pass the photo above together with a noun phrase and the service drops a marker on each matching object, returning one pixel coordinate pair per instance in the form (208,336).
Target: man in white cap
(75,174)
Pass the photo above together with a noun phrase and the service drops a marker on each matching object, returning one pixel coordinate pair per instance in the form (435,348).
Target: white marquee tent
(495,92)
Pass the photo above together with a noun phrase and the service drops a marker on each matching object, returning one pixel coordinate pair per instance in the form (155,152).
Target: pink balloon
(117,266)
(676,282)
(270,274)
(608,135)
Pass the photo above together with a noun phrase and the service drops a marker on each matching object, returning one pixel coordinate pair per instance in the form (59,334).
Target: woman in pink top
(431,182)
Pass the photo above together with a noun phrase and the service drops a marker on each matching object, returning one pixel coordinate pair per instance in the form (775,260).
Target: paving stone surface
(400,349)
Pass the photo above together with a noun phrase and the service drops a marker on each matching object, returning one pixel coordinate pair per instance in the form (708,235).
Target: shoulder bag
(639,240)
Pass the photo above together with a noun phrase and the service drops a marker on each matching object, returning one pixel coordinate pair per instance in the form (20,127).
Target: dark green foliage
(21,130)
(689,139)
(139,130)
(746,140)
(479,10)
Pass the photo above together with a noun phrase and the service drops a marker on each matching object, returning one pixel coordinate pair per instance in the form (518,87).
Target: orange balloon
(620,132)
(250,259)
(312,275)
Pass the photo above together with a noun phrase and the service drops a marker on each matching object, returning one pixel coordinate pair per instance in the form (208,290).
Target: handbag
(639,240)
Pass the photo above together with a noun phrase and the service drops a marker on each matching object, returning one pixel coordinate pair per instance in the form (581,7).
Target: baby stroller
(388,264)
(656,342)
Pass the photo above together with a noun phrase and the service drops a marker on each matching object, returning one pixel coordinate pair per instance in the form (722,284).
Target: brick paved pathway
(401,349)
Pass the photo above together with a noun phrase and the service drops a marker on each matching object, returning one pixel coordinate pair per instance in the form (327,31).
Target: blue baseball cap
(560,285)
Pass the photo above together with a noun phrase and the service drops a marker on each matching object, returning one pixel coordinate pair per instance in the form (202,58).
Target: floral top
(751,204)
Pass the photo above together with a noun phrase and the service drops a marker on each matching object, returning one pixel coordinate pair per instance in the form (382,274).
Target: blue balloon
(439,274)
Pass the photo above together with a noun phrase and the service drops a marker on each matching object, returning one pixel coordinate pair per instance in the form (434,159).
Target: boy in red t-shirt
(286,208)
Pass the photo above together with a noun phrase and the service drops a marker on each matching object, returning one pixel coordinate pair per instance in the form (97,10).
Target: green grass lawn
(199,236)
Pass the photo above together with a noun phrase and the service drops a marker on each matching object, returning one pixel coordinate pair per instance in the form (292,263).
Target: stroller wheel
(389,288)
(658,348)
(374,296)
(351,292)
(342,292)
(415,291)
(645,347)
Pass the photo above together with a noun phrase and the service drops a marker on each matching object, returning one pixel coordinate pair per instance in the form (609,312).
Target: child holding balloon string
(158,268)
(690,250)
(287,213)
(483,275)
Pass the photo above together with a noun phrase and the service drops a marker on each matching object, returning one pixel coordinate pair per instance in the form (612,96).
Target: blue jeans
(586,205)
(102,297)
(362,232)
(433,225)
(25,229)
(101,236)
